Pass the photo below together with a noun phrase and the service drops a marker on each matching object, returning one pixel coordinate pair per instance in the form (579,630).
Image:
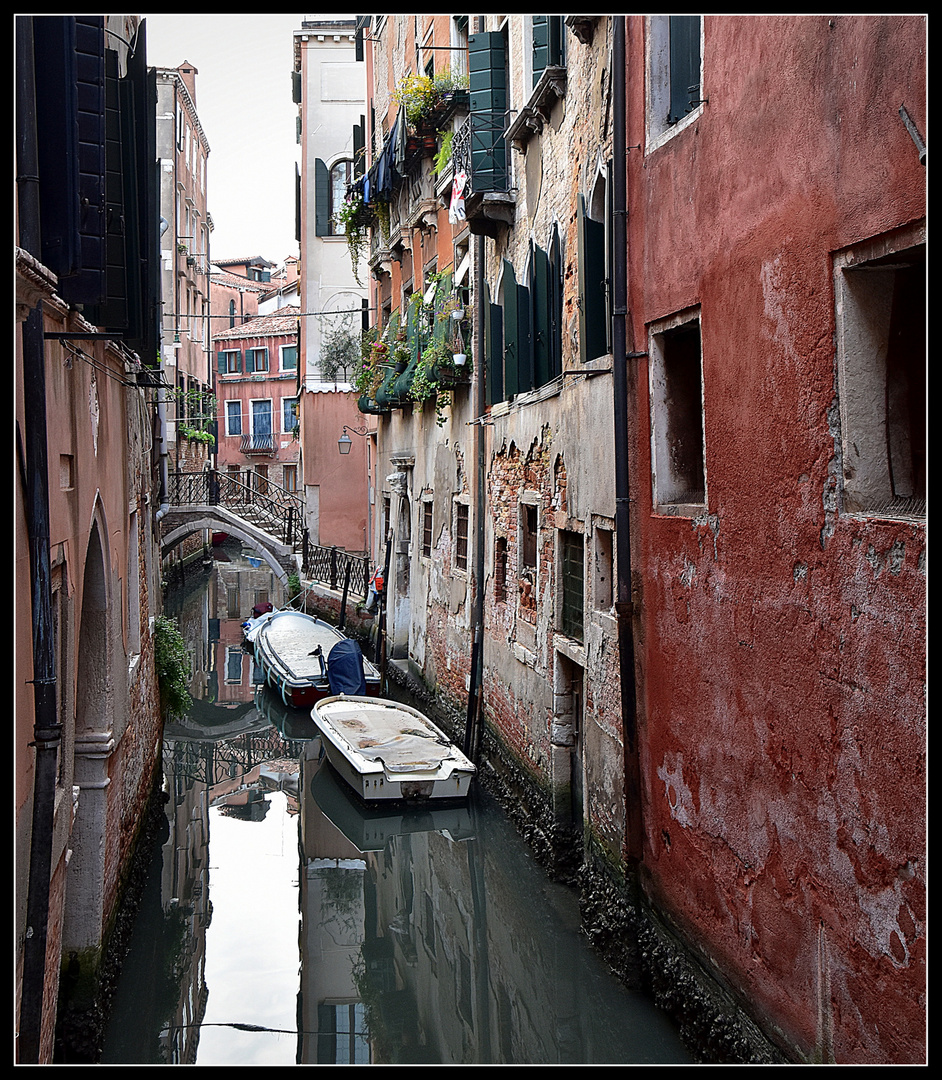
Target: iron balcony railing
(257,444)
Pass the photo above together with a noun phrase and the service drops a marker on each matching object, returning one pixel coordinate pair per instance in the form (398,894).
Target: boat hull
(388,752)
(291,649)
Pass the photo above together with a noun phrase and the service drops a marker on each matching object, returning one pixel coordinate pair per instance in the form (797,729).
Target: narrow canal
(283,923)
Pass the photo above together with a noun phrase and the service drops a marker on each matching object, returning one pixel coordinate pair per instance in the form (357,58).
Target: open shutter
(494,350)
(542,319)
(593,336)
(518,363)
(487,93)
(685,65)
(321,198)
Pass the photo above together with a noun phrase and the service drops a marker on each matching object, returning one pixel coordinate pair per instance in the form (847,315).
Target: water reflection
(285,923)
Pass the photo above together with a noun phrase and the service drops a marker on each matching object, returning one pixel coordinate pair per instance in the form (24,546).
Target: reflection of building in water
(216,756)
(333,915)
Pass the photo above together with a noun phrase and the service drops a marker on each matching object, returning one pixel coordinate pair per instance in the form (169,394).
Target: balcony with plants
(421,359)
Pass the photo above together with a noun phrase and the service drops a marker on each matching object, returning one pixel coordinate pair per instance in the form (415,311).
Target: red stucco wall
(783,662)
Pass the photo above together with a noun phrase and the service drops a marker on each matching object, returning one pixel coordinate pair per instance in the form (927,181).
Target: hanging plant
(442,159)
(353,219)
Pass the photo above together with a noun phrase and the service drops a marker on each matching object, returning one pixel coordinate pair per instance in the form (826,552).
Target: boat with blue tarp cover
(304,658)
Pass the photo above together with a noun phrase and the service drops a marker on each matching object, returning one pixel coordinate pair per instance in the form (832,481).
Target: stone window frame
(871,441)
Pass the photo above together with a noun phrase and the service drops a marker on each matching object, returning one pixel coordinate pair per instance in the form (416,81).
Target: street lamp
(345,442)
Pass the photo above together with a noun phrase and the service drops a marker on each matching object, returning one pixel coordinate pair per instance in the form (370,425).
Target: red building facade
(776,287)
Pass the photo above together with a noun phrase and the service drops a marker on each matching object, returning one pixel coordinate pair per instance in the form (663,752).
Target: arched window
(341,174)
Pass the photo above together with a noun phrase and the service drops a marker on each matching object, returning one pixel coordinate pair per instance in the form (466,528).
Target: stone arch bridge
(264,516)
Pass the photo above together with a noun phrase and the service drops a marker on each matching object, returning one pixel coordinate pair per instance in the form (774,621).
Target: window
(256,360)
(234,657)
(676,387)
(546,310)
(427,528)
(289,477)
(572,584)
(880,289)
(548,42)
(343,1036)
(229,362)
(603,565)
(593,265)
(674,57)
(528,536)
(233,417)
(289,414)
(289,358)
(261,438)
(500,570)
(461,536)
(341,175)
(232,313)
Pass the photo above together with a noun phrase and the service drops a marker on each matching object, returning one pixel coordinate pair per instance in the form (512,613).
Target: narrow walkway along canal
(284,923)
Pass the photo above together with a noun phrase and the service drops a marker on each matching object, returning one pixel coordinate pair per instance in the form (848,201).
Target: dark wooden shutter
(541,318)
(321,198)
(593,336)
(494,350)
(547,43)
(685,65)
(487,82)
(518,363)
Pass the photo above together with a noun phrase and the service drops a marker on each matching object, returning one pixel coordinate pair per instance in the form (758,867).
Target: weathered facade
(670,535)
(329,89)
(86,569)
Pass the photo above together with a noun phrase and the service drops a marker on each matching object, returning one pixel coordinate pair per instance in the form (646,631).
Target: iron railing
(279,512)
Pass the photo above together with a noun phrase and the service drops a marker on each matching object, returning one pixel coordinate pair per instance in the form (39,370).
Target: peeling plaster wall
(783,669)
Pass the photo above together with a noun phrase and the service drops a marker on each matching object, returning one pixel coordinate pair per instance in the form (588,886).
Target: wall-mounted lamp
(345,442)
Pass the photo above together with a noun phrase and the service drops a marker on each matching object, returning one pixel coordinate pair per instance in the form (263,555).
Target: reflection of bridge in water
(264,516)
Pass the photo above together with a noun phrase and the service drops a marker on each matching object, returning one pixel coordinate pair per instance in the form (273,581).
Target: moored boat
(301,656)
(388,751)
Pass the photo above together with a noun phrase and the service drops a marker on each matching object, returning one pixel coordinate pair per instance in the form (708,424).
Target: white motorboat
(389,751)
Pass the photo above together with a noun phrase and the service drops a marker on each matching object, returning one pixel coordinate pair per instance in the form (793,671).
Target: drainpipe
(46,728)
(472,737)
(623,602)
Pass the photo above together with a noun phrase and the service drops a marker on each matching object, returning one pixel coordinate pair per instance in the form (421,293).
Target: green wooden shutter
(494,350)
(547,43)
(593,334)
(321,198)
(685,65)
(487,95)
(542,321)
(518,362)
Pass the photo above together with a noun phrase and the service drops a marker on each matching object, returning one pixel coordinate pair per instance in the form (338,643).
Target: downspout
(47,731)
(623,601)
(472,738)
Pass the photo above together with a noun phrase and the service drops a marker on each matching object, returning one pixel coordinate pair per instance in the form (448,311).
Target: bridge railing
(275,509)
(328,566)
(279,512)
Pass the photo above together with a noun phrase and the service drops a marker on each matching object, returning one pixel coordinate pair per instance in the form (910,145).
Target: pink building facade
(256,401)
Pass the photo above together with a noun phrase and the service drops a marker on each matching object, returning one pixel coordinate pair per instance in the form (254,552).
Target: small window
(427,529)
(677,418)
(289,358)
(528,537)
(229,362)
(341,176)
(675,65)
(603,566)
(289,478)
(881,331)
(500,570)
(256,360)
(572,584)
(289,415)
(461,536)
(233,417)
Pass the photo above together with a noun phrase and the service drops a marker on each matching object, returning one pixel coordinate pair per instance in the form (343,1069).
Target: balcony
(257,445)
